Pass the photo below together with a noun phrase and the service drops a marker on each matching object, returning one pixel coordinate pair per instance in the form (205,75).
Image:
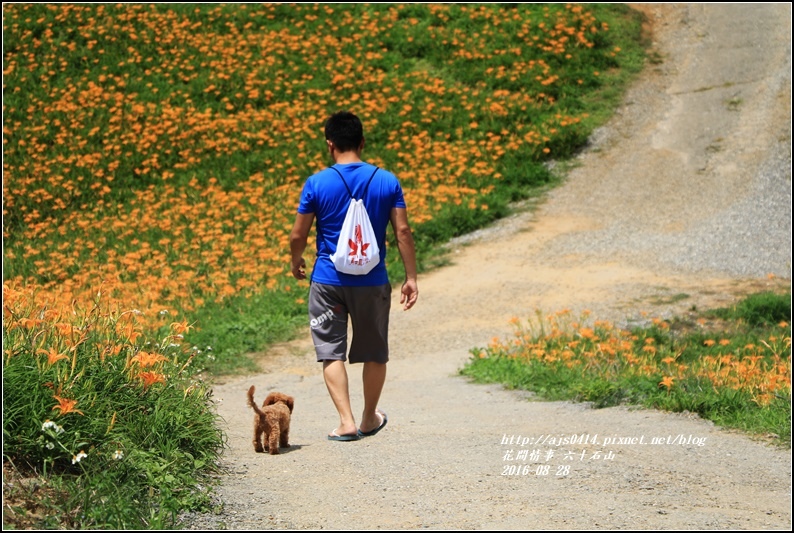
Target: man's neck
(345,158)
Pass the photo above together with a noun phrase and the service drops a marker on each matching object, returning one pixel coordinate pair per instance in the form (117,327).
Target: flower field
(739,378)
(95,407)
(157,151)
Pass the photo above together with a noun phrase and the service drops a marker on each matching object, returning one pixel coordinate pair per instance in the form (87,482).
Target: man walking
(334,295)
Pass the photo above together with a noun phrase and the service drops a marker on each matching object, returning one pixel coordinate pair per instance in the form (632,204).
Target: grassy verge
(737,375)
(109,423)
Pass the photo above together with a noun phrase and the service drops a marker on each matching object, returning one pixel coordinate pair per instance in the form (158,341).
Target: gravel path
(683,200)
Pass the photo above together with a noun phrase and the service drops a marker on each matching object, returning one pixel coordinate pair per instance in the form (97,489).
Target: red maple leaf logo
(358,247)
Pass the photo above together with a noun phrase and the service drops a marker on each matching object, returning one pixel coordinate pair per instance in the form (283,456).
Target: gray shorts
(368,308)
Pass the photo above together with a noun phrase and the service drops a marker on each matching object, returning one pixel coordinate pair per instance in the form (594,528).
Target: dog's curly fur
(272,420)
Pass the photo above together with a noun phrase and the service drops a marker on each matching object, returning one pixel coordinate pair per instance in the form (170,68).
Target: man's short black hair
(345,130)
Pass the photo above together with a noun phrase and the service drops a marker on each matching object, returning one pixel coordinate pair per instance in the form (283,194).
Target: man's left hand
(299,269)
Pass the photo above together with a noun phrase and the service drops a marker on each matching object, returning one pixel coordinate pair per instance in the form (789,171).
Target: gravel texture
(683,200)
(708,187)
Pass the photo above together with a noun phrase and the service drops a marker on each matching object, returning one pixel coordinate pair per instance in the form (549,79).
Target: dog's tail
(252,403)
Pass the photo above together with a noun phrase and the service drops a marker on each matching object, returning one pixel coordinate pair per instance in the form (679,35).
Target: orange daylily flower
(52,355)
(66,405)
(180,327)
(129,331)
(64,329)
(667,381)
(145,359)
(150,378)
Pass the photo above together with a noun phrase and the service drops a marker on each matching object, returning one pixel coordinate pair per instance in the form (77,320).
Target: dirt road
(645,223)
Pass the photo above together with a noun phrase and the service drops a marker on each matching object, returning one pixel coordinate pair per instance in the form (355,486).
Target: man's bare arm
(297,243)
(405,244)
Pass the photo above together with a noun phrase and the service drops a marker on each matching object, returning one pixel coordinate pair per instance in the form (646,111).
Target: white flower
(50,446)
(164,312)
(118,454)
(79,457)
(49,424)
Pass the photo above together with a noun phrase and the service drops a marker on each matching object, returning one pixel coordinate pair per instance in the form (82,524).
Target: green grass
(231,332)
(119,438)
(762,309)
(608,367)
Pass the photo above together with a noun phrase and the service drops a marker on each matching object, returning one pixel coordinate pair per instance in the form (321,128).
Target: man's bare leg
(374,377)
(335,376)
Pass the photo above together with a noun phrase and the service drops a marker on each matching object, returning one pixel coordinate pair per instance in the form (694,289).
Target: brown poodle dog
(272,420)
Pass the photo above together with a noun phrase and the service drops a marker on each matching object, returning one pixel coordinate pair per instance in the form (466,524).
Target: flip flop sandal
(374,431)
(343,438)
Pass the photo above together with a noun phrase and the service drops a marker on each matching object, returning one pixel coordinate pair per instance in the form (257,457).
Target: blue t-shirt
(325,195)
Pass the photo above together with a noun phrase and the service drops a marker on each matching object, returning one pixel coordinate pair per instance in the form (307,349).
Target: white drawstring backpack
(357,249)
